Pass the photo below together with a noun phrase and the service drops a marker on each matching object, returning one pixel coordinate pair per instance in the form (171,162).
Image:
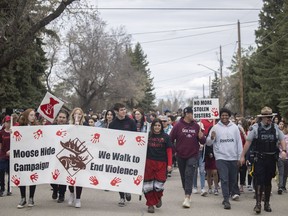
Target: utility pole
(221,80)
(240,72)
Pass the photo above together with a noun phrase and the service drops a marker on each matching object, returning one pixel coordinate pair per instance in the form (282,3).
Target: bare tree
(97,66)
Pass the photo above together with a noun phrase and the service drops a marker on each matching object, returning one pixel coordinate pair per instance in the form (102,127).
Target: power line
(188,29)
(167,9)
(177,59)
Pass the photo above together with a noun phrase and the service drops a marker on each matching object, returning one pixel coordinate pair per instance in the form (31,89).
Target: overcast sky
(174,55)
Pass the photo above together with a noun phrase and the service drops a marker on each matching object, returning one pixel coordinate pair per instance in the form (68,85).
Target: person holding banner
(4,155)
(108,118)
(61,119)
(26,119)
(187,135)
(122,122)
(76,118)
(158,162)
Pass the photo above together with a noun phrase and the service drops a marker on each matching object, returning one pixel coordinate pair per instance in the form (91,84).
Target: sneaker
(22,203)
(60,199)
(71,199)
(128,196)
(9,193)
(250,188)
(121,202)
(159,204)
(54,195)
(77,203)
(1,193)
(235,197)
(151,209)
(210,191)
(216,192)
(280,191)
(195,191)
(186,203)
(30,202)
(241,189)
(227,205)
(169,174)
(203,192)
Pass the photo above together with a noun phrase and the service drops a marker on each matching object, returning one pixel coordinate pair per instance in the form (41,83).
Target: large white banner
(78,155)
(206,108)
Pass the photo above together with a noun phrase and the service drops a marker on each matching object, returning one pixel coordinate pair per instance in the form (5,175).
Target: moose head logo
(74,156)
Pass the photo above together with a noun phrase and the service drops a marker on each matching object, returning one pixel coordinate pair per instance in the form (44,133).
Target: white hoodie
(227,145)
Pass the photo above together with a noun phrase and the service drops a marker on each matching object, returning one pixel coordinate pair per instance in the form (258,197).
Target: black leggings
(78,191)
(32,189)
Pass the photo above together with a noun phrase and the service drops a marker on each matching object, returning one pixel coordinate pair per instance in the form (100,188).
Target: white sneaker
(203,192)
(71,199)
(186,203)
(77,203)
(194,190)
(235,197)
(210,191)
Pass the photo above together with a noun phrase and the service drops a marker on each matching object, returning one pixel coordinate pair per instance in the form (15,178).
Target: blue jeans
(201,166)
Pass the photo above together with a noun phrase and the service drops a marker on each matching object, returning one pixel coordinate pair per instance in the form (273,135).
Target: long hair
(23,120)
(142,120)
(72,119)
(106,113)
(152,126)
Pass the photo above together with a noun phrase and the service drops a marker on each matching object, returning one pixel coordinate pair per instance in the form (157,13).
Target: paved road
(96,202)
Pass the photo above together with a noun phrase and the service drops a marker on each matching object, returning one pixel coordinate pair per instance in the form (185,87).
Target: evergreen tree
(215,87)
(269,58)
(140,63)
(283,105)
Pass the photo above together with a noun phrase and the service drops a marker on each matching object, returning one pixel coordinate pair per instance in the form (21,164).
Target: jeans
(228,171)
(283,172)
(201,166)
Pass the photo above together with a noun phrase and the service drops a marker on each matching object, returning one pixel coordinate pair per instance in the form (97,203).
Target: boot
(267,192)
(258,195)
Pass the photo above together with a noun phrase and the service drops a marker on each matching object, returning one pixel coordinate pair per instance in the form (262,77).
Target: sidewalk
(97,202)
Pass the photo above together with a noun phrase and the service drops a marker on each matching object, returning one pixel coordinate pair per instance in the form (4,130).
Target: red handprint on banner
(17,135)
(115,181)
(34,177)
(121,140)
(38,134)
(15,180)
(140,141)
(62,133)
(71,181)
(215,112)
(55,174)
(95,138)
(138,180)
(94,180)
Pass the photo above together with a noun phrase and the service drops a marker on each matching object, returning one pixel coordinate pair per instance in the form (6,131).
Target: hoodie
(228,144)
(186,137)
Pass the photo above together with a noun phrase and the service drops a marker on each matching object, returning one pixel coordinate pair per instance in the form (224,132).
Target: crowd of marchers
(226,151)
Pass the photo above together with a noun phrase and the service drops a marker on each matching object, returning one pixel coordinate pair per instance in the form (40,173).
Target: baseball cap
(7,119)
(188,110)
